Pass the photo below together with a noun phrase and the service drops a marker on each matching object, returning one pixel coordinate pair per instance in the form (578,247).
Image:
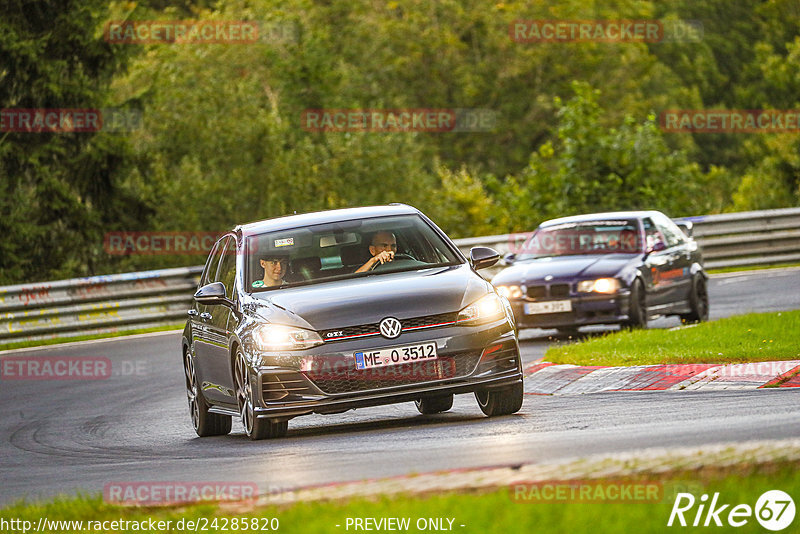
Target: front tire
(637,309)
(504,401)
(698,302)
(255,428)
(204,423)
(432,405)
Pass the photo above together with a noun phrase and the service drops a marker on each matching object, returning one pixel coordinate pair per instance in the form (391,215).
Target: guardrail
(101,304)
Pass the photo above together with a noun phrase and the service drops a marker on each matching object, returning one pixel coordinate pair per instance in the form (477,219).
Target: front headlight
(485,309)
(280,337)
(510,292)
(601,285)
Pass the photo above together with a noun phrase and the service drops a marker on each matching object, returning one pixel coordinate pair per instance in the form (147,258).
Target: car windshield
(590,237)
(333,251)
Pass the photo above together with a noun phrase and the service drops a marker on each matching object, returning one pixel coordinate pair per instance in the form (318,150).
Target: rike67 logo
(774,510)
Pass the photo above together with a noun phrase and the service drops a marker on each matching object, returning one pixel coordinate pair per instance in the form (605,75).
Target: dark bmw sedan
(330,311)
(605,268)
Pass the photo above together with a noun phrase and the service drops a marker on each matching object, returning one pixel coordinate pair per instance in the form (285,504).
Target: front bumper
(325,380)
(586,310)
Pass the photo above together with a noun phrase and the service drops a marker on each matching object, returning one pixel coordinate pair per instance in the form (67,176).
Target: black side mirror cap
(482,257)
(509,258)
(210,294)
(686,226)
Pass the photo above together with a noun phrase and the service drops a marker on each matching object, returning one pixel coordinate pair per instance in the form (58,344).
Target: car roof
(604,216)
(322,217)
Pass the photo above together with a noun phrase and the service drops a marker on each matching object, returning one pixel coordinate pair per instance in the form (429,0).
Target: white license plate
(395,355)
(553,306)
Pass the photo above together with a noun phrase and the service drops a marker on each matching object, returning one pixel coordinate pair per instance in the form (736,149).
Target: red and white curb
(552,379)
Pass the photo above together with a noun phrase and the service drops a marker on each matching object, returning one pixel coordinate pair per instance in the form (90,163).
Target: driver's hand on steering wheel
(384,256)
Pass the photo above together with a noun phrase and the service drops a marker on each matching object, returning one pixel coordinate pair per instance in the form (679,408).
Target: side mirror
(482,257)
(509,258)
(686,226)
(211,294)
(657,246)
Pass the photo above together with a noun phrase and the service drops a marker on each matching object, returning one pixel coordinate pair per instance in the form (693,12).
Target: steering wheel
(397,257)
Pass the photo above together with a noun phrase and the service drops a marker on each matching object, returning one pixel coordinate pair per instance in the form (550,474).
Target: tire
(254,428)
(500,401)
(431,405)
(205,423)
(698,302)
(637,308)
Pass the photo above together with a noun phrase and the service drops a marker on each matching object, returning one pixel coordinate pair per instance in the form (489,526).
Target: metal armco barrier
(101,304)
(96,304)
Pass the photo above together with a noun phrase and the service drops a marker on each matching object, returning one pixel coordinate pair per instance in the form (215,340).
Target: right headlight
(487,308)
(601,285)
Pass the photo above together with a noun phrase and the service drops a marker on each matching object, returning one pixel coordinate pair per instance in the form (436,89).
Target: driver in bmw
(383,248)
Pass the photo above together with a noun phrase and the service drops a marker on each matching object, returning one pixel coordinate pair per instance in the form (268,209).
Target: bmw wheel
(698,302)
(637,308)
(254,428)
(204,422)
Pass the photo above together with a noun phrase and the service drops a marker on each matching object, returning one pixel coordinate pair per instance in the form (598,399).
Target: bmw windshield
(333,251)
(583,238)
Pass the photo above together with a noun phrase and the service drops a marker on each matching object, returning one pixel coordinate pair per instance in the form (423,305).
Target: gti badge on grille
(390,328)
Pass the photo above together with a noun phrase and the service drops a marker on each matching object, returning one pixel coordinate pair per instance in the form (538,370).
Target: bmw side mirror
(686,226)
(656,247)
(509,258)
(482,257)
(210,294)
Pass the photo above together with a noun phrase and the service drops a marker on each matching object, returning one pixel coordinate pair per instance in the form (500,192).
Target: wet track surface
(58,436)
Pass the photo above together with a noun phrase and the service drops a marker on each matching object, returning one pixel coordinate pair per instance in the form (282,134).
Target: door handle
(192,312)
(205,315)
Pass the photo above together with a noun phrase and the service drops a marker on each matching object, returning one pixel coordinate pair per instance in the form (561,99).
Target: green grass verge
(56,341)
(753,337)
(484,512)
(752,268)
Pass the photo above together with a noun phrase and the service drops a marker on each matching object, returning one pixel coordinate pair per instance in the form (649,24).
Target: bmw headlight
(487,308)
(279,337)
(601,285)
(510,292)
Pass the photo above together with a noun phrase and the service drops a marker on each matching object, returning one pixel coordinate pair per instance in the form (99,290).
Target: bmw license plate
(553,306)
(395,355)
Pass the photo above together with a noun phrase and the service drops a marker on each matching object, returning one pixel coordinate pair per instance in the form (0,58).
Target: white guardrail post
(101,304)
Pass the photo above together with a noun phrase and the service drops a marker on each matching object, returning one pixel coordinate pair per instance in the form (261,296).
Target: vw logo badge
(390,328)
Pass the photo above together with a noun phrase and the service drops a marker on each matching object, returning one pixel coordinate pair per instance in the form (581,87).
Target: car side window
(652,234)
(210,270)
(672,233)
(227,267)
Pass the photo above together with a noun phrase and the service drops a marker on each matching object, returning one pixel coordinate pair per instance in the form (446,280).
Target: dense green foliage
(222,142)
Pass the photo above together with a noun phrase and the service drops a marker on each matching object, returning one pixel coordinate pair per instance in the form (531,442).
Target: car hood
(369,299)
(565,267)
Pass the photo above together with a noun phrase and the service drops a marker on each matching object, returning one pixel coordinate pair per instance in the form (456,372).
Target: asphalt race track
(62,436)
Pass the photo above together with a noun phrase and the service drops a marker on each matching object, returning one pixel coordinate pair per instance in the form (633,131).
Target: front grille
(554,290)
(536,292)
(559,290)
(352,380)
(429,321)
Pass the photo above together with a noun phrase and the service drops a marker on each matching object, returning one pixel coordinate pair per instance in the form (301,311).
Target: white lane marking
(745,276)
